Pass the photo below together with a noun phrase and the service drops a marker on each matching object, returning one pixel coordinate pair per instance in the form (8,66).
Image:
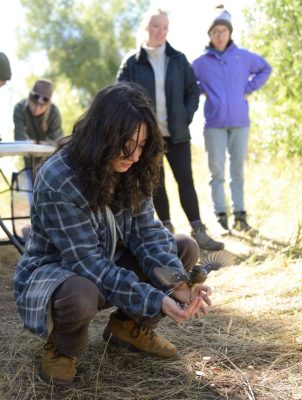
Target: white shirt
(157,58)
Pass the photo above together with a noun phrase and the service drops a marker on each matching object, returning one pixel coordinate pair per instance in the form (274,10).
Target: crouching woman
(95,242)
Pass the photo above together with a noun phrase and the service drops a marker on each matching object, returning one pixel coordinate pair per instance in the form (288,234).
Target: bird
(199,273)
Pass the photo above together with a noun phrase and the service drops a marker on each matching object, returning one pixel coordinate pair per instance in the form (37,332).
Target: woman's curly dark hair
(101,134)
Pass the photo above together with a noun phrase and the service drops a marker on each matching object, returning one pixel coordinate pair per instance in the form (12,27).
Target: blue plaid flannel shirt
(68,239)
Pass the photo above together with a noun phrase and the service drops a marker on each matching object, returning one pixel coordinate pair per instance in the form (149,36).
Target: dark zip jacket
(181,89)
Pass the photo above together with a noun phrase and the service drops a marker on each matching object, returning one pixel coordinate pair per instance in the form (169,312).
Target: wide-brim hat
(42,91)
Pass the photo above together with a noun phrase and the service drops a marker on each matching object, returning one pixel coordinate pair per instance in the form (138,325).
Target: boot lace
(141,330)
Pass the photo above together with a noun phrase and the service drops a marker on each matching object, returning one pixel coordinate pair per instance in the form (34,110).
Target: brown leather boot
(57,368)
(135,337)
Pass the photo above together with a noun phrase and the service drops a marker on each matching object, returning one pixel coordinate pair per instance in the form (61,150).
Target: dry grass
(248,347)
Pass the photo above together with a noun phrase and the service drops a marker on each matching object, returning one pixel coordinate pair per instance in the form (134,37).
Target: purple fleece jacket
(226,79)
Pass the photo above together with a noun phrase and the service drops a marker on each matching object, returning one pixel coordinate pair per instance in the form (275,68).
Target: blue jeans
(218,142)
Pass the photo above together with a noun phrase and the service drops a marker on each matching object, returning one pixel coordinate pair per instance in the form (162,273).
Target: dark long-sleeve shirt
(28,127)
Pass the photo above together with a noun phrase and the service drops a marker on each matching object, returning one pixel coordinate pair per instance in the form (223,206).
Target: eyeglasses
(36,98)
(216,33)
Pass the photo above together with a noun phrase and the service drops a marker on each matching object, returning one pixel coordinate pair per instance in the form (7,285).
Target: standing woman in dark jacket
(169,80)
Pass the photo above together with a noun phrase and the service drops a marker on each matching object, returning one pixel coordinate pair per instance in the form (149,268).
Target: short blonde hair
(142,34)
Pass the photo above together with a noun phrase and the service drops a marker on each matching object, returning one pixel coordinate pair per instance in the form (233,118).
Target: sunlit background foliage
(275,31)
(84,42)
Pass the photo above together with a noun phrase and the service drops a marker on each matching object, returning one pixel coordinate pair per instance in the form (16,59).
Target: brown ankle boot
(135,337)
(57,368)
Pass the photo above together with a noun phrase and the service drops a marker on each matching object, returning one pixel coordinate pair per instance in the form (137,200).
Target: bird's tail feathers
(216,260)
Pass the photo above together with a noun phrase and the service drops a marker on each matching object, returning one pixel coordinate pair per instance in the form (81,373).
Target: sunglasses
(36,98)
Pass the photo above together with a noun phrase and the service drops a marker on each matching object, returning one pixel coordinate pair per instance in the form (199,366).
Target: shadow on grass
(260,240)
(261,247)
(231,354)
(224,356)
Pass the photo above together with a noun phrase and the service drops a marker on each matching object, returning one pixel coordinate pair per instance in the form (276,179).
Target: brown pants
(77,300)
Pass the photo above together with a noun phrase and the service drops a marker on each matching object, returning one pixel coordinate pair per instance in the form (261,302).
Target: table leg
(11,237)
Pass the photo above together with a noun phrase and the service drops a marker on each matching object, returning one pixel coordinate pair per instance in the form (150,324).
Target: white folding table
(24,149)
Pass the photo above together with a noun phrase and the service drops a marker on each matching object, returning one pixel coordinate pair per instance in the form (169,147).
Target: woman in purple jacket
(226,76)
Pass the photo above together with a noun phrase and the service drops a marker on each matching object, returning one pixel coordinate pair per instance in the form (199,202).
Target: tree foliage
(83,40)
(275,32)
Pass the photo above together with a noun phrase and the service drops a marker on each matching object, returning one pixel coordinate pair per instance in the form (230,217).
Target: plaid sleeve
(71,231)
(152,244)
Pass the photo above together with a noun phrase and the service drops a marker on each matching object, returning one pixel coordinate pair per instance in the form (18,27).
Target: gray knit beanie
(5,71)
(223,18)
